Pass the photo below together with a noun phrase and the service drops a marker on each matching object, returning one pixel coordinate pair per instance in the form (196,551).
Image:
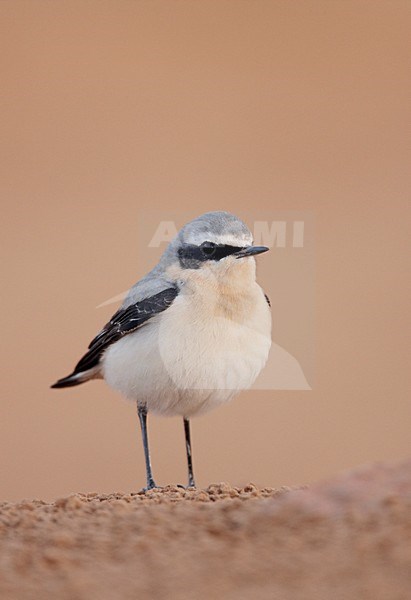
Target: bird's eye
(208,248)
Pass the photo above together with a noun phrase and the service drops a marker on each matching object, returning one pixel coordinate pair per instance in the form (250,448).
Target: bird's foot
(151,485)
(190,485)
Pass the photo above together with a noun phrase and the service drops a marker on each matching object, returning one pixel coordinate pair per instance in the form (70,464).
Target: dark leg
(191,482)
(142,415)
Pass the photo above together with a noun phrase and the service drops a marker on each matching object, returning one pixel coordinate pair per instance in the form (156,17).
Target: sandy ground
(347,538)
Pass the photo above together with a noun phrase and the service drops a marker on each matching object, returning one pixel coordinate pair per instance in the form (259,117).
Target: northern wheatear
(191,333)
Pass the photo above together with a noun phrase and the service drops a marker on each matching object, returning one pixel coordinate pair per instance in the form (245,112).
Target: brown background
(112,107)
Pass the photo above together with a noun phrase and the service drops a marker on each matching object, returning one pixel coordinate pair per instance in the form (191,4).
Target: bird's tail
(77,378)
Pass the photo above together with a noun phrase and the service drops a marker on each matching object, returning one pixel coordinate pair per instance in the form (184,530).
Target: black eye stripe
(191,256)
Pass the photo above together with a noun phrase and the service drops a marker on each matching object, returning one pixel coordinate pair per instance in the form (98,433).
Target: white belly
(190,358)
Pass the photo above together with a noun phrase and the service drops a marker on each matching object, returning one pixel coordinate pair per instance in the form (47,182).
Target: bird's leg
(191,481)
(142,415)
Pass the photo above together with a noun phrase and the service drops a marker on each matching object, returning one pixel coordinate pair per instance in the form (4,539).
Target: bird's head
(216,244)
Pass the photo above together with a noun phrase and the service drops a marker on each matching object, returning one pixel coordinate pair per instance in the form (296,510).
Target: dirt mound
(346,538)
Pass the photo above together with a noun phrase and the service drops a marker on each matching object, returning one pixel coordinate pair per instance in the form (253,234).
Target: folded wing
(124,321)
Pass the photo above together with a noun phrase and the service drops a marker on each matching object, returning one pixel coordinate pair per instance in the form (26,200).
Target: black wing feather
(124,321)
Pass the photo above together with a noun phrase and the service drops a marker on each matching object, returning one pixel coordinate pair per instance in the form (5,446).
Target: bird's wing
(124,321)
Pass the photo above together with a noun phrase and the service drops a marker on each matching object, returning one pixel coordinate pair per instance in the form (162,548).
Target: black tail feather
(68,381)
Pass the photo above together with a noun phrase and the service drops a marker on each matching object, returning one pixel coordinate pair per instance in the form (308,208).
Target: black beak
(250,251)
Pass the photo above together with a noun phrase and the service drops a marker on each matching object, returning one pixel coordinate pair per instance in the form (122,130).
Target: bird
(191,334)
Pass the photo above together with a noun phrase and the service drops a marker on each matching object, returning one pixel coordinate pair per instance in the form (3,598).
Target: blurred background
(111,109)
